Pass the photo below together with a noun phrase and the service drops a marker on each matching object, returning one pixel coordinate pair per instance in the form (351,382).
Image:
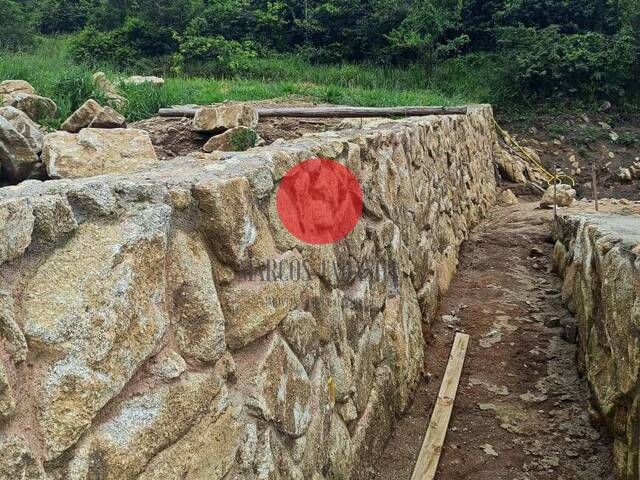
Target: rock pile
(94,139)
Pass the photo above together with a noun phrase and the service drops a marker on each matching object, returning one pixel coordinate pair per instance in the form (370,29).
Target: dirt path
(521,411)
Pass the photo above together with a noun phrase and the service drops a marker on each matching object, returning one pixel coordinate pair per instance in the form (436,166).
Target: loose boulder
(9,87)
(96,151)
(225,116)
(235,139)
(108,89)
(141,80)
(561,196)
(91,114)
(35,106)
(16,155)
(107,117)
(82,117)
(507,198)
(24,126)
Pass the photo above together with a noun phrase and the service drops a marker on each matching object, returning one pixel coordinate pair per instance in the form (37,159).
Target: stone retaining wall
(137,341)
(598,256)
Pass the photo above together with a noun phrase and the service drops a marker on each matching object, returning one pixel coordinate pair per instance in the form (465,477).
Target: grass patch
(53,75)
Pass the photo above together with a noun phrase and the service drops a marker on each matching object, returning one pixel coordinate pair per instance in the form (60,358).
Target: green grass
(53,75)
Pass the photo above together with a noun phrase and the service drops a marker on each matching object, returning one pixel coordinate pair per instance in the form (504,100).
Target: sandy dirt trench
(522,410)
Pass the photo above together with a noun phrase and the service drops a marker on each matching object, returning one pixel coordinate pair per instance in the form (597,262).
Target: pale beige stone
(16,227)
(35,106)
(107,117)
(300,330)
(96,151)
(561,195)
(82,117)
(108,89)
(9,87)
(232,140)
(276,385)
(17,158)
(236,230)
(225,116)
(197,317)
(254,308)
(145,425)
(507,198)
(54,218)
(7,402)
(207,452)
(107,280)
(144,80)
(10,332)
(168,365)
(26,127)
(17,460)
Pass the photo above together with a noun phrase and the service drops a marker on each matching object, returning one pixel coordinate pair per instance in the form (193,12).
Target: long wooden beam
(429,456)
(331,112)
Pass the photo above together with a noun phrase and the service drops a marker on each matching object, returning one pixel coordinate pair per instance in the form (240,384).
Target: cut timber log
(331,112)
(429,456)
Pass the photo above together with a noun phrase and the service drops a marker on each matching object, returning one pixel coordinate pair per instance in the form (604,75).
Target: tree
(16,31)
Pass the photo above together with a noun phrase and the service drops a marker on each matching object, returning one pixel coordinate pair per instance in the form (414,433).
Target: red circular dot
(319,201)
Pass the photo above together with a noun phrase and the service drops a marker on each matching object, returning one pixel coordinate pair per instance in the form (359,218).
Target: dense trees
(547,47)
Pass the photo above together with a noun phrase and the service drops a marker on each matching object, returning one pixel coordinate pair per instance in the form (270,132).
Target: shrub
(212,55)
(124,46)
(547,62)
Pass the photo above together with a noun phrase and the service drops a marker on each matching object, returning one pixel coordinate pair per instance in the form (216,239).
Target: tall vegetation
(587,49)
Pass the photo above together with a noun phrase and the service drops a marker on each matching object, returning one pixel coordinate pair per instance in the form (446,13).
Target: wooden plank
(429,456)
(331,112)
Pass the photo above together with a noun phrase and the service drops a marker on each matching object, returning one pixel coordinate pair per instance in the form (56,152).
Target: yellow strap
(551,178)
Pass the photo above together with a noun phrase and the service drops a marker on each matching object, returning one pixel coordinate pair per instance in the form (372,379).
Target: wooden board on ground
(429,456)
(330,112)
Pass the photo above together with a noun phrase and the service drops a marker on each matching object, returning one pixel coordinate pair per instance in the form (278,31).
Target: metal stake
(594,183)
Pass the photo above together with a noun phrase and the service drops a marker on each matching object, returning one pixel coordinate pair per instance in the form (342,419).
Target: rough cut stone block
(107,117)
(107,280)
(276,385)
(197,315)
(253,309)
(142,80)
(53,217)
(562,196)
(24,126)
(16,227)
(235,139)
(225,116)
(145,425)
(96,151)
(10,332)
(17,460)
(234,227)
(16,155)
(9,87)
(35,106)
(82,117)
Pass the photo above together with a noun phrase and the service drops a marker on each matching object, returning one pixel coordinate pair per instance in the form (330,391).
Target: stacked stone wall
(599,258)
(158,325)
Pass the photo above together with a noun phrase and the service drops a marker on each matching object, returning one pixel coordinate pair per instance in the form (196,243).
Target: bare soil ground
(521,412)
(574,142)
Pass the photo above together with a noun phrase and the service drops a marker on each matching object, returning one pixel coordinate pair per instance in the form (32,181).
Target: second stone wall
(149,329)
(599,258)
